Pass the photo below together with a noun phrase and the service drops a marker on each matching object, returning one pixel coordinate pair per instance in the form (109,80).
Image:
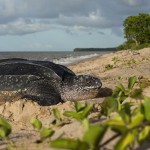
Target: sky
(62,25)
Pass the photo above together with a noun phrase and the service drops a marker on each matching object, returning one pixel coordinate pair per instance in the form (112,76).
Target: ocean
(63,58)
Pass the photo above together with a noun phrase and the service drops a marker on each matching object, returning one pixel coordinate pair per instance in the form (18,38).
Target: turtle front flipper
(42,92)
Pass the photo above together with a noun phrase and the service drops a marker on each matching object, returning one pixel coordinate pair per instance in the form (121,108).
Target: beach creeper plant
(129,125)
(115,60)
(81,111)
(44,132)
(108,67)
(119,94)
(93,134)
(58,120)
(5,129)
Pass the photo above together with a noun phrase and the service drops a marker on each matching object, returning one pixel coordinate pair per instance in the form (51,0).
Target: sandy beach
(111,68)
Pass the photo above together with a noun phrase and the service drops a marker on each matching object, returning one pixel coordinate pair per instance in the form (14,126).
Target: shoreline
(114,65)
(87,59)
(63,58)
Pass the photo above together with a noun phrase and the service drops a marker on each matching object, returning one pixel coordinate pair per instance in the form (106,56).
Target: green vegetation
(5,131)
(130,125)
(131,61)
(90,139)
(137,32)
(93,49)
(44,132)
(5,128)
(131,45)
(81,111)
(108,67)
(115,60)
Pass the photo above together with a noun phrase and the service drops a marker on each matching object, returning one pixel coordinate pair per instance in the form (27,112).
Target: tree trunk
(136,42)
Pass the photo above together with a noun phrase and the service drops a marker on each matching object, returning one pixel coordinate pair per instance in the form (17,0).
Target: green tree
(137,28)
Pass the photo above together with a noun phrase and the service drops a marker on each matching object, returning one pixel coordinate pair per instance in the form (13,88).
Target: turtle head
(80,88)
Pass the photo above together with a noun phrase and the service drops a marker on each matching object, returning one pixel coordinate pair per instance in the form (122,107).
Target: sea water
(63,58)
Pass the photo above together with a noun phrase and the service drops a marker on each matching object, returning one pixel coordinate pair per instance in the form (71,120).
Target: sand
(111,68)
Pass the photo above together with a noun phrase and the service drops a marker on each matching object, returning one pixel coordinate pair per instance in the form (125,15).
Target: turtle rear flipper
(42,92)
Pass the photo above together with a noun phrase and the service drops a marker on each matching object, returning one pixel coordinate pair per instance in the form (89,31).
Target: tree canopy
(137,28)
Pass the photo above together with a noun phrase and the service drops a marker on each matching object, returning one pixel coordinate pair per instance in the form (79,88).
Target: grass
(131,45)
(131,61)
(108,67)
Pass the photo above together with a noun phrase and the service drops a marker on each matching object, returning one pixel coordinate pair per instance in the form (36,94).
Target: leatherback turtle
(45,82)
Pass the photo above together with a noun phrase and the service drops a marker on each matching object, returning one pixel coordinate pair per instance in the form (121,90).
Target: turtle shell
(62,71)
(31,80)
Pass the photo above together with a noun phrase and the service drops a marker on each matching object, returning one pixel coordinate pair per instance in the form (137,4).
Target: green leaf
(131,82)
(119,89)
(136,121)
(85,112)
(46,133)
(127,108)
(116,92)
(121,129)
(79,115)
(37,124)
(144,134)
(4,123)
(137,94)
(120,93)
(124,141)
(3,132)
(147,98)
(85,124)
(125,112)
(127,92)
(116,120)
(57,114)
(122,98)
(146,106)
(94,135)
(78,106)
(72,114)
(109,105)
(5,128)
(69,144)
(117,125)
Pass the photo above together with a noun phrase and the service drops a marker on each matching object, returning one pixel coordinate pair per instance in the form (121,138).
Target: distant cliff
(94,49)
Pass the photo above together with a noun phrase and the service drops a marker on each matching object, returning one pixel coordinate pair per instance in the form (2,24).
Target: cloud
(22,26)
(133,2)
(19,17)
(93,19)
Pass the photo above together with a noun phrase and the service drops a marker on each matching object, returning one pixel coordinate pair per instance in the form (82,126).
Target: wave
(72,59)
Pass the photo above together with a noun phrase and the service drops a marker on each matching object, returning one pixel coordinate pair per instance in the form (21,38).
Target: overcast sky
(52,25)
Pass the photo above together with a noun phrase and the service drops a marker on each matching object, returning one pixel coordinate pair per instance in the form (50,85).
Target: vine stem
(109,140)
(118,134)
